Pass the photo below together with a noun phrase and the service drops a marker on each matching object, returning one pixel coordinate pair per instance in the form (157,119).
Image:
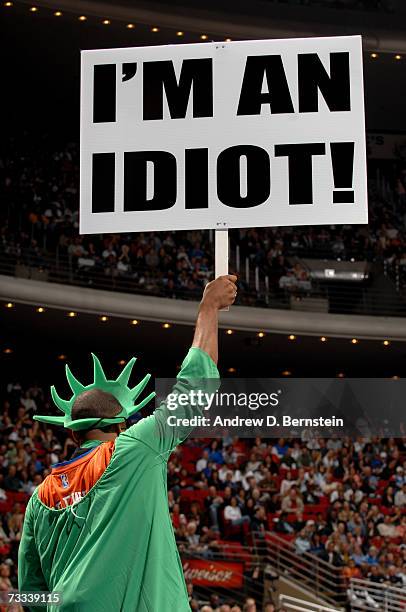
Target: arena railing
(264,562)
(255,290)
(307,570)
(366,595)
(292,604)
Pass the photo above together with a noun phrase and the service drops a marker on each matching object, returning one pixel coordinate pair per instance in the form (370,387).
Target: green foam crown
(124,394)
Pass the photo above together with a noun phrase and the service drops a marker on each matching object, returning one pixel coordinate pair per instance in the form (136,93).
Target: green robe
(115,549)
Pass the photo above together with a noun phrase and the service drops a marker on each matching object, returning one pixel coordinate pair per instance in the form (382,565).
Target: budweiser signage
(213,573)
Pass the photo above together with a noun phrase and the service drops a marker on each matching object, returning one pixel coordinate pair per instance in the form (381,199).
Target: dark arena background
(261,524)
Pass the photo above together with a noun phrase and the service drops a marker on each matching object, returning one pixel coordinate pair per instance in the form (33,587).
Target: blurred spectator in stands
(351,570)
(400,497)
(250,605)
(259,522)
(375,574)
(330,555)
(283,525)
(387,529)
(232,513)
(11,480)
(292,502)
(302,542)
(288,481)
(393,576)
(215,454)
(201,464)
(388,497)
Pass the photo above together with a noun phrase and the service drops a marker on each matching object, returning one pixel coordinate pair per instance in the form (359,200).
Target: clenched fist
(221,292)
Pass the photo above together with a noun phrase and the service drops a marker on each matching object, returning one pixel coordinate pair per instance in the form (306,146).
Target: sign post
(221,254)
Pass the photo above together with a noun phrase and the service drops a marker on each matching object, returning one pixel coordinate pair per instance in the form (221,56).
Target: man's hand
(217,294)
(220,293)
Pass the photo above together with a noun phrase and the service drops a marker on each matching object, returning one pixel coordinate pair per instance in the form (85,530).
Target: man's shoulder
(133,437)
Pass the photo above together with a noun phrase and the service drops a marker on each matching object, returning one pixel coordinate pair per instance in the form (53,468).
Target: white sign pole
(221,252)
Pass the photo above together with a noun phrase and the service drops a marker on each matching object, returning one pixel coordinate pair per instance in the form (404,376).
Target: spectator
(400,497)
(250,605)
(11,481)
(331,555)
(292,502)
(302,542)
(233,514)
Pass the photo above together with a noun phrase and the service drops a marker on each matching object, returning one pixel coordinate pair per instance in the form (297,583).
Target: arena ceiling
(43,87)
(248,20)
(35,345)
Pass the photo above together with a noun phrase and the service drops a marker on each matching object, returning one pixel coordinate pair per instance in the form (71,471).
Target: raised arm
(218,294)
(199,368)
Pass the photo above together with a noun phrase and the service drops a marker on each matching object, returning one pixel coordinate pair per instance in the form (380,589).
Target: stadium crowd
(339,499)
(39,230)
(342,500)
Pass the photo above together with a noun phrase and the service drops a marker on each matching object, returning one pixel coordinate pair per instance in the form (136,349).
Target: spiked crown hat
(123,394)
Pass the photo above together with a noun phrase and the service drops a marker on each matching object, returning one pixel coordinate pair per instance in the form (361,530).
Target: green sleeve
(30,576)
(198,372)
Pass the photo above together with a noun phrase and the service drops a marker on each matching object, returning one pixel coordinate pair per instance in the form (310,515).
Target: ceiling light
(104,318)
(9,305)
(229,332)
(82,18)
(374,55)
(34,9)
(40,309)
(340,375)
(8,4)
(121,362)
(354,341)
(323,339)
(8,351)
(72,314)
(231,370)
(166,325)
(286,373)
(395,377)
(292,337)
(106,22)
(154,29)
(134,322)
(228,40)
(130,26)
(203,37)
(260,334)
(180,33)
(58,14)
(398,57)
(61,357)
(386,343)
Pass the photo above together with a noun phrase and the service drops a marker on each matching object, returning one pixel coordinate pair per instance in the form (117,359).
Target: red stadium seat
(17,496)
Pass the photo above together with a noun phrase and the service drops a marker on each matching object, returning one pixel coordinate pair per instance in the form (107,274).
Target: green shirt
(115,549)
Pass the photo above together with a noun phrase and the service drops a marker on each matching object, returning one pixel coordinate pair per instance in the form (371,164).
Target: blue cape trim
(56,465)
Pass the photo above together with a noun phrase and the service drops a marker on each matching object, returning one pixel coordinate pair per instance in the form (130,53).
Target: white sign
(222,135)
